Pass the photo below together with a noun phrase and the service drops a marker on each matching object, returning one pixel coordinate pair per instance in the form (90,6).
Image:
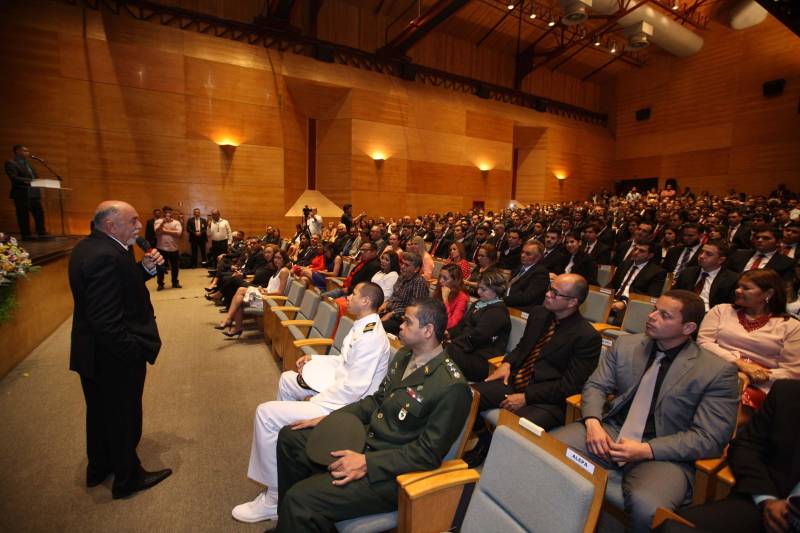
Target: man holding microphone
(114,335)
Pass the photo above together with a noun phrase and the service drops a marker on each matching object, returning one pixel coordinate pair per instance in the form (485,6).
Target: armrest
(312,342)
(711,466)
(573,411)
(599,326)
(725,476)
(662,515)
(285,308)
(287,323)
(574,401)
(249,277)
(277,298)
(447,466)
(495,362)
(440,483)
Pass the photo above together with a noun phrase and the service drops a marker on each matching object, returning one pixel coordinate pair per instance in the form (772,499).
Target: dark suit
(601,253)
(778,262)
(481,335)
(674,256)
(27,199)
(509,258)
(556,260)
(441,247)
(114,334)
(621,251)
(765,459)
(564,365)
(528,290)
(606,236)
(150,232)
(197,242)
(741,238)
(649,281)
(721,290)
(584,265)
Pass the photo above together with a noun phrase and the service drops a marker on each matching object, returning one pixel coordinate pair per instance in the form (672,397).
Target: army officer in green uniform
(411,422)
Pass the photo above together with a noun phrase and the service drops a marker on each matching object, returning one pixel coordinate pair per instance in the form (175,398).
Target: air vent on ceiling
(639,35)
(575,11)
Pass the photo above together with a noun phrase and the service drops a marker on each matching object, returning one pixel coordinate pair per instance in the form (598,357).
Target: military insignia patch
(369,327)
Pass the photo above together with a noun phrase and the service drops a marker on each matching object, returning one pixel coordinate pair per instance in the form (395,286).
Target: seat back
(457,449)
(324,320)
(347,266)
(639,307)
(604,274)
(437,267)
(345,325)
(668,281)
(597,305)
(295,294)
(517,329)
(575,486)
(309,306)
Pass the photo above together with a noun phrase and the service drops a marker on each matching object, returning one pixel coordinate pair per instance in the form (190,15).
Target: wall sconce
(378,158)
(560,175)
(227,150)
(484,168)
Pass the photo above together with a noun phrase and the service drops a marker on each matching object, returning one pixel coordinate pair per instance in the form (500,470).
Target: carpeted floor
(199,402)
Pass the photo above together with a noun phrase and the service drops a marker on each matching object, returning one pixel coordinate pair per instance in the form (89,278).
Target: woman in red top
(450,290)
(457,253)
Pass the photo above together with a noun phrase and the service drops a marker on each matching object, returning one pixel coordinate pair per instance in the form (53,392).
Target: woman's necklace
(752,324)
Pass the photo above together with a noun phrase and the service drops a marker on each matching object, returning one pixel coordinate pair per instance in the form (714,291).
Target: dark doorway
(478,204)
(643,185)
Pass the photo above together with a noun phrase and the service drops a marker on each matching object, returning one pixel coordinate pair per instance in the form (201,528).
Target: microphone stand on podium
(52,184)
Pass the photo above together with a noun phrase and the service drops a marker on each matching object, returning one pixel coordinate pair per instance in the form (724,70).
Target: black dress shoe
(477,455)
(146,480)
(177,286)
(94,478)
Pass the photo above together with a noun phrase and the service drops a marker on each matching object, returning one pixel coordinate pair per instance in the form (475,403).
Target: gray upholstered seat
(345,325)
(325,317)
(635,318)
(595,307)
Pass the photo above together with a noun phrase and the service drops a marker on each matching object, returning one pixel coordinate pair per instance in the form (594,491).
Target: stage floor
(45,250)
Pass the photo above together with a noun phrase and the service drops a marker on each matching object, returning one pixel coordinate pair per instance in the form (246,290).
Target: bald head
(118,219)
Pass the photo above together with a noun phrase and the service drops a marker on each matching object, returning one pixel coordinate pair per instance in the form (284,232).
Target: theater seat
(323,326)
(323,346)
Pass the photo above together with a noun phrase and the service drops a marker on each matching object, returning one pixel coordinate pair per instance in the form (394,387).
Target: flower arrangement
(15,263)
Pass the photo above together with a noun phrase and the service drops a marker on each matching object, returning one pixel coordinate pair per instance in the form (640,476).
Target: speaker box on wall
(482,91)
(643,114)
(408,72)
(773,87)
(324,52)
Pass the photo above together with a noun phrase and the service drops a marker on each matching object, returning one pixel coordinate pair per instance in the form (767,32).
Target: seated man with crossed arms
(673,403)
(358,371)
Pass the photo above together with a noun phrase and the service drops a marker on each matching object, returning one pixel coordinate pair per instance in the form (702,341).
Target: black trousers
(392,325)
(309,502)
(174,261)
(474,366)
(548,416)
(198,246)
(26,207)
(217,248)
(114,420)
(735,514)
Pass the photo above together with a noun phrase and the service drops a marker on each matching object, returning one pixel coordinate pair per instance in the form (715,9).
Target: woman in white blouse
(756,334)
(388,274)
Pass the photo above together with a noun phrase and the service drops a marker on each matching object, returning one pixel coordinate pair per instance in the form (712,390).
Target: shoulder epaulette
(452,368)
(369,327)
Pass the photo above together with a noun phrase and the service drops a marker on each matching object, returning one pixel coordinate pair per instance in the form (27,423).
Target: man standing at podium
(27,199)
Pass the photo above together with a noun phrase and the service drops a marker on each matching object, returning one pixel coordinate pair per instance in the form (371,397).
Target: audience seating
(604,274)
(305,311)
(437,267)
(293,297)
(639,308)
(668,281)
(597,307)
(519,320)
(572,501)
(322,326)
(423,520)
(317,346)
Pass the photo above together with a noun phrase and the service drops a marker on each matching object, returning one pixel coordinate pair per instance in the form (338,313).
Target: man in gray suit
(673,403)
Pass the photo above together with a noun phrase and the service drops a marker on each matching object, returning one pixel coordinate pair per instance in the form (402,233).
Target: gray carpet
(199,401)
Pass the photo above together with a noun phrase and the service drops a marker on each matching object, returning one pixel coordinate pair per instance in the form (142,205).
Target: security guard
(410,422)
(357,372)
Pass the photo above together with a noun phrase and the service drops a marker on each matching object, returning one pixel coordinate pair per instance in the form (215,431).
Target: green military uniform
(410,423)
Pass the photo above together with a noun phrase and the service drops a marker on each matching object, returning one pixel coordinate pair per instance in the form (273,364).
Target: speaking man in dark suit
(552,361)
(709,279)
(27,199)
(114,335)
(765,460)
(197,227)
(530,281)
(765,255)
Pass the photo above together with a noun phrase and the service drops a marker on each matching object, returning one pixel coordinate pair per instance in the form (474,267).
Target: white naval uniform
(360,369)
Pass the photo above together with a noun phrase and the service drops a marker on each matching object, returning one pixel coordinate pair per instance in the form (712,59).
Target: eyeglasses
(557,294)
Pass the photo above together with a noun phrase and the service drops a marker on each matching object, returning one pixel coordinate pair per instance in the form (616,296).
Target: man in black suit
(530,281)
(554,257)
(644,232)
(641,274)
(738,232)
(709,279)
(765,460)
(594,248)
(197,227)
(114,335)
(555,356)
(679,257)
(150,228)
(440,247)
(509,258)
(27,199)
(765,255)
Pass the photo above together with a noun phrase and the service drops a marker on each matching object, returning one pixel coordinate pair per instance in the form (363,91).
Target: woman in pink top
(457,253)
(756,334)
(450,290)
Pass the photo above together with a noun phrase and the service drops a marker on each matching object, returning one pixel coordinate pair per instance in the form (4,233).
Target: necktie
(633,428)
(520,273)
(701,283)
(687,252)
(568,268)
(621,291)
(525,372)
(757,263)
(628,252)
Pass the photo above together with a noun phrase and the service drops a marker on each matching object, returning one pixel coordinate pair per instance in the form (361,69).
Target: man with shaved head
(114,335)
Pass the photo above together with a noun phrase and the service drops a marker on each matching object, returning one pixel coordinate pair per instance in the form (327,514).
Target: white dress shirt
(706,292)
(220,230)
(766,259)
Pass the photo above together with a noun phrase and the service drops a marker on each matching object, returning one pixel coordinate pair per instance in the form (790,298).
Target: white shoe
(264,507)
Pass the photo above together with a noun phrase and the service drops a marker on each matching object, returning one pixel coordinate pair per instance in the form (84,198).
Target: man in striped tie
(556,354)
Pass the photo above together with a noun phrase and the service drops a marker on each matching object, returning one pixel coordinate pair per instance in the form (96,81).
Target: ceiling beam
(421,26)
(601,67)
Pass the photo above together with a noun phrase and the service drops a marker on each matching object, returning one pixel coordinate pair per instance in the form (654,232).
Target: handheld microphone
(36,157)
(144,245)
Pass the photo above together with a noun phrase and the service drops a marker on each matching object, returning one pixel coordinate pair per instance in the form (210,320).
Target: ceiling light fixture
(675,5)
(532,15)
(551,23)
(511,6)
(597,41)
(614,47)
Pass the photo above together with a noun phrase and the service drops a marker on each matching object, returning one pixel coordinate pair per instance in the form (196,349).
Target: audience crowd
(721,274)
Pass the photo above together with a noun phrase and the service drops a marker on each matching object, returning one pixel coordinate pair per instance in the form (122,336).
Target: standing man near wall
(197,228)
(27,199)
(168,235)
(114,335)
(219,231)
